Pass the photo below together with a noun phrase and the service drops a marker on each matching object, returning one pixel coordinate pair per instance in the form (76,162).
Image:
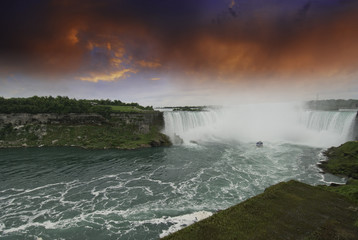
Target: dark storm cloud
(107,40)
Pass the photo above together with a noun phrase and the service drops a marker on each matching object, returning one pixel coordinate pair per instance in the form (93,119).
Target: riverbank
(343,161)
(93,131)
(291,210)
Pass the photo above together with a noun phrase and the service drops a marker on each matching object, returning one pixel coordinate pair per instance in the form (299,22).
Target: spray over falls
(261,122)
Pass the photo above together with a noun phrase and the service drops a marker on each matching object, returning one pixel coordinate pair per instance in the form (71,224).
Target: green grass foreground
(290,210)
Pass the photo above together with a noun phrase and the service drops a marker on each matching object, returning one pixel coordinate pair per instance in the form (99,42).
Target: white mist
(261,122)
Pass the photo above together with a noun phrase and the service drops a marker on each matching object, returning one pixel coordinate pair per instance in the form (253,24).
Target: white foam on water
(2,226)
(176,223)
(180,222)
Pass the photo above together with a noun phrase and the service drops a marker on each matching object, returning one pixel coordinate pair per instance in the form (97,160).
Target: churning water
(72,193)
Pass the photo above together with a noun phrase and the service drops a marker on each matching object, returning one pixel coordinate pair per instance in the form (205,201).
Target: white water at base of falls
(265,122)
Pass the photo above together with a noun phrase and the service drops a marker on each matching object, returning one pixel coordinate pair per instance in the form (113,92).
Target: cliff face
(119,130)
(17,119)
(143,121)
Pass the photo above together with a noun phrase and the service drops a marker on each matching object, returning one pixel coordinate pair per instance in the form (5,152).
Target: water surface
(72,193)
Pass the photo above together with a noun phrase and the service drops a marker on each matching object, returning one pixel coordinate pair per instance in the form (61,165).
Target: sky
(180,52)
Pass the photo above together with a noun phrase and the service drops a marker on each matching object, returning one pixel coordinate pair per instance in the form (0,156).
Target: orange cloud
(72,36)
(113,76)
(149,64)
(312,49)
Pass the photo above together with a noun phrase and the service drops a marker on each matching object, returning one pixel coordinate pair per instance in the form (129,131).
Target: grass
(289,210)
(350,190)
(342,160)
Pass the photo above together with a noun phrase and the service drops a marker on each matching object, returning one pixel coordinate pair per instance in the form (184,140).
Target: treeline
(190,108)
(61,105)
(332,104)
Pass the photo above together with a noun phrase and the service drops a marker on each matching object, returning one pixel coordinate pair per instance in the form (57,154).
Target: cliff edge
(128,130)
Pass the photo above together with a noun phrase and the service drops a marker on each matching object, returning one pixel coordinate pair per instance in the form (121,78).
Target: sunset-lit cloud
(107,77)
(149,64)
(294,37)
(72,36)
(187,43)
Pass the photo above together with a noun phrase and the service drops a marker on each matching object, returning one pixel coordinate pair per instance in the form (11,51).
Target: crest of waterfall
(268,123)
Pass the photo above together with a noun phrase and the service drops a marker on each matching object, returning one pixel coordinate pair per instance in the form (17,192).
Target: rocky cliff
(119,130)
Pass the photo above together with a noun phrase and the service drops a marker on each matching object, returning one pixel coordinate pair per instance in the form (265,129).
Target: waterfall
(266,122)
(340,123)
(183,125)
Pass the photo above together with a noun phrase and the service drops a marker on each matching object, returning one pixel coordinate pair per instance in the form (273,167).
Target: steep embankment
(289,210)
(119,130)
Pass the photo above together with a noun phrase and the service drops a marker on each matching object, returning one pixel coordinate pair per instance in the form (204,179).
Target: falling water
(273,123)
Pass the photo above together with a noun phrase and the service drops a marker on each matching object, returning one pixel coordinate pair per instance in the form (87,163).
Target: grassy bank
(342,160)
(350,189)
(289,210)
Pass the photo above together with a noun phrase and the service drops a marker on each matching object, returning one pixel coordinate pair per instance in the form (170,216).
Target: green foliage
(342,160)
(190,108)
(62,105)
(124,109)
(332,104)
(5,130)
